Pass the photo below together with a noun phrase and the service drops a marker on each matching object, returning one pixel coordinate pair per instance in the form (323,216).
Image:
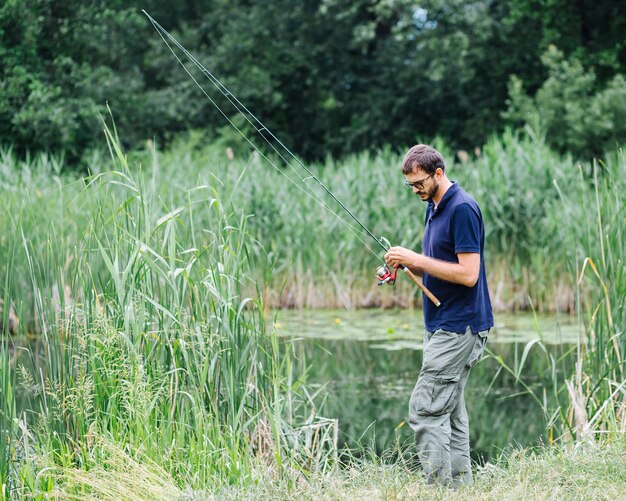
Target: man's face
(423,185)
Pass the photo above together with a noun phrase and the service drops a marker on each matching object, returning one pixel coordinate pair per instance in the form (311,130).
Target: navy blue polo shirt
(456,225)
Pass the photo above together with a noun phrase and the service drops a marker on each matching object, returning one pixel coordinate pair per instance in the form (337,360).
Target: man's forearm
(445,270)
(464,272)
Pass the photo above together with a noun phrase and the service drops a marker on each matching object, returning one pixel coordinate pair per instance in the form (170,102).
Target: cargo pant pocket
(435,395)
(480,340)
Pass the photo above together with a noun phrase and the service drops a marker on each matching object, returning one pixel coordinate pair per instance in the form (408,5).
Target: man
(453,268)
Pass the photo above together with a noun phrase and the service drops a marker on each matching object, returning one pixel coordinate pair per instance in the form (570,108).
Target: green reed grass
(591,401)
(146,335)
(147,289)
(597,390)
(319,262)
(7,421)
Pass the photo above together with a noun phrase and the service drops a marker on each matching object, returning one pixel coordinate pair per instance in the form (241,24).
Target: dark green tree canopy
(327,76)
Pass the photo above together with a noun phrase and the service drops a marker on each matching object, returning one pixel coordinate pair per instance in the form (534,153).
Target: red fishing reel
(385,276)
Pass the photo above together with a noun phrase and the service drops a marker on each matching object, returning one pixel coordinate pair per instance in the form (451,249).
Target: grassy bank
(544,474)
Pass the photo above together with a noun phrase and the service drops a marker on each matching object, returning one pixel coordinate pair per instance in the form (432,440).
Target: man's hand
(397,256)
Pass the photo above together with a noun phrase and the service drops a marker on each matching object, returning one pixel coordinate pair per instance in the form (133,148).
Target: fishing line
(384,274)
(260,128)
(314,196)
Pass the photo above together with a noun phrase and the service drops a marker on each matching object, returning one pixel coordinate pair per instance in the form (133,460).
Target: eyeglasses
(419,184)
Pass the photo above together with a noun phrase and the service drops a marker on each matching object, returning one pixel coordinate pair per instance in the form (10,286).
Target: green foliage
(591,32)
(147,338)
(62,63)
(329,77)
(569,108)
(142,286)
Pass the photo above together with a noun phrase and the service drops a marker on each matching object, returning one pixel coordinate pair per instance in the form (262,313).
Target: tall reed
(588,402)
(320,262)
(147,337)
(598,387)
(317,261)
(8,428)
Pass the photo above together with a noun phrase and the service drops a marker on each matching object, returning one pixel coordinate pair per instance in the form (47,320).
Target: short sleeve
(466,226)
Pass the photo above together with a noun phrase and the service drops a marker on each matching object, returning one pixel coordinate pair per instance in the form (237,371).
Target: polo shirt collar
(446,197)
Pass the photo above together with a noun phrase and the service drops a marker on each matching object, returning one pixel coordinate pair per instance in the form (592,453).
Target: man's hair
(422,157)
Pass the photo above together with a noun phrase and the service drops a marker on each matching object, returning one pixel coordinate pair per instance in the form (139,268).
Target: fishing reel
(383,272)
(385,275)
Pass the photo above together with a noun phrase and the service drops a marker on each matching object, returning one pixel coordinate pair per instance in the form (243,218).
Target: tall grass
(8,426)
(148,289)
(319,262)
(316,261)
(146,337)
(598,389)
(591,401)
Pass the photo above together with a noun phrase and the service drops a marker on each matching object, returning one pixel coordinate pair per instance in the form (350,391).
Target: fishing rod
(383,273)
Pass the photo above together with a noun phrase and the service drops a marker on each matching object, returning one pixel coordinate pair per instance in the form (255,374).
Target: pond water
(363,365)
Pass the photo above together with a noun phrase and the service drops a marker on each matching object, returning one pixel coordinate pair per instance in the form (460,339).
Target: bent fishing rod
(383,274)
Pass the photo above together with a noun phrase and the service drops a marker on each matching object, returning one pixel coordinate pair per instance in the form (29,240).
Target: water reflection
(366,364)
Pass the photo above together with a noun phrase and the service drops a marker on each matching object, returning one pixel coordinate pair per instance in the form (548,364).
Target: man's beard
(430,193)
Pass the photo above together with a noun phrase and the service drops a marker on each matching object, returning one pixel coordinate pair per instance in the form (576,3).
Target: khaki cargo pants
(437,411)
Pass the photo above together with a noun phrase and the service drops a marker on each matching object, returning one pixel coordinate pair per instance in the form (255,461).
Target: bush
(573,112)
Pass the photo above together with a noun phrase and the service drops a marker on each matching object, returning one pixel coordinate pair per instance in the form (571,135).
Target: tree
(570,108)
(327,76)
